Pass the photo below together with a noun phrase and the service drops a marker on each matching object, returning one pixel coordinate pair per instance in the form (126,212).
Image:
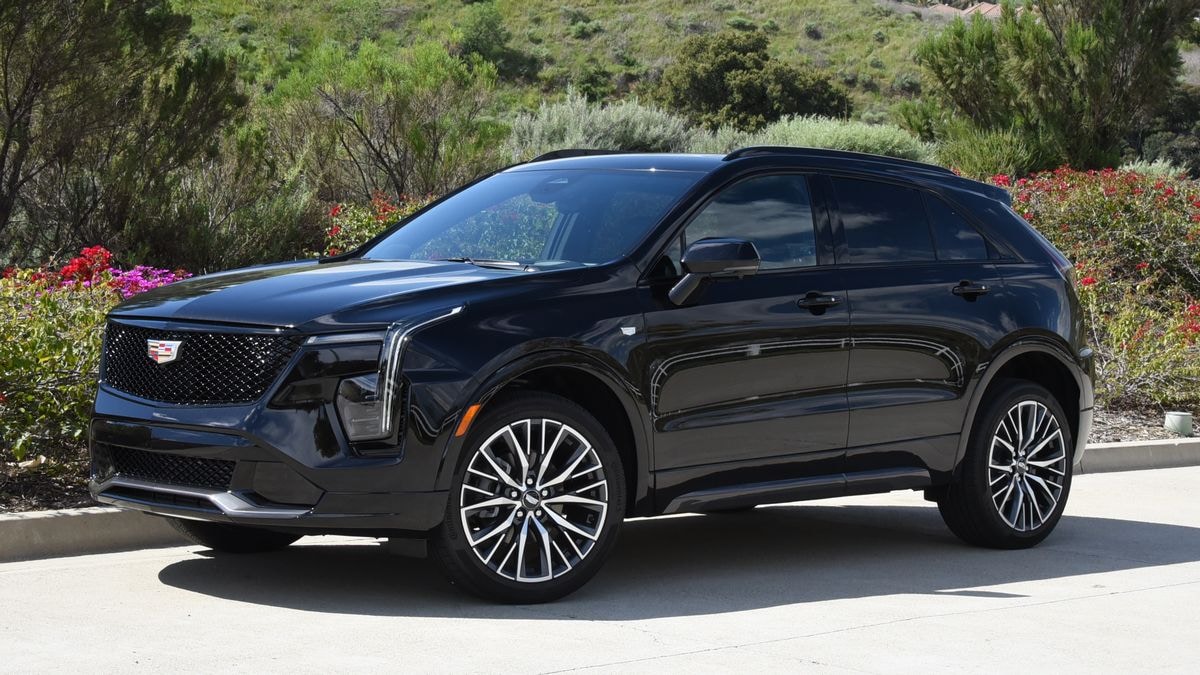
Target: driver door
(747,383)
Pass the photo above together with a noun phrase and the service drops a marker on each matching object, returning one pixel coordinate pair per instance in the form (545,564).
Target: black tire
(969,505)
(574,561)
(224,538)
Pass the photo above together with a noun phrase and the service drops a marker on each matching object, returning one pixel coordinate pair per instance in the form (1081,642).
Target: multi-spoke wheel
(1026,465)
(1012,486)
(536,503)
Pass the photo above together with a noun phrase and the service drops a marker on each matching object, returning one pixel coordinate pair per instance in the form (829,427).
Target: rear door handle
(816,302)
(969,290)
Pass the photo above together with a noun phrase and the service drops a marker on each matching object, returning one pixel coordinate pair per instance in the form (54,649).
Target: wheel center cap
(531,499)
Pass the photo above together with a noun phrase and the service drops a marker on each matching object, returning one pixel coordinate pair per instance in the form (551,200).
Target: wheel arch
(587,382)
(1044,362)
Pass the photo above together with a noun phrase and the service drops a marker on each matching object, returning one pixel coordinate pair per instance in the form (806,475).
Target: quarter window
(956,238)
(773,212)
(883,222)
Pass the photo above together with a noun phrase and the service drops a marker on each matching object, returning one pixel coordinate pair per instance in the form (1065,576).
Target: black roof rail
(824,152)
(572,152)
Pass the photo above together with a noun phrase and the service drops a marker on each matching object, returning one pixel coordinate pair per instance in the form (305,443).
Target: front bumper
(228,475)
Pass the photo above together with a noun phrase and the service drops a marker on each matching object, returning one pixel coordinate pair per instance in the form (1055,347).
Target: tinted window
(883,223)
(956,238)
(774,212)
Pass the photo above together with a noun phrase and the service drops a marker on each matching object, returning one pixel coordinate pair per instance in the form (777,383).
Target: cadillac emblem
(162,351)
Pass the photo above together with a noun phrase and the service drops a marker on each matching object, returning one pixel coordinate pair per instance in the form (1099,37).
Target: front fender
(631,402)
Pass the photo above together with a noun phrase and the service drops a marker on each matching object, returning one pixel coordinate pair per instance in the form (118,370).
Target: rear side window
(774,212)
(883,222)
(956,239)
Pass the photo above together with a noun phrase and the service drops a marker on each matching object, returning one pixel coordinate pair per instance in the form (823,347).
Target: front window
(537,216)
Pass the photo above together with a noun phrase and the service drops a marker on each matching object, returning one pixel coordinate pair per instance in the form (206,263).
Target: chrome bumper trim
(228,503)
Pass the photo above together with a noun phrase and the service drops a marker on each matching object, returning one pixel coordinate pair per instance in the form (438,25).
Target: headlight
(359,408)
(368,405)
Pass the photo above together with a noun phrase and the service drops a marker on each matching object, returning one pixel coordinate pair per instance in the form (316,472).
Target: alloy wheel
(1027,465)
(534,500)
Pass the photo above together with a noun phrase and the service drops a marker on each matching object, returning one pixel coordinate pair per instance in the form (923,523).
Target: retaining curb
(1139,455)
(102,529)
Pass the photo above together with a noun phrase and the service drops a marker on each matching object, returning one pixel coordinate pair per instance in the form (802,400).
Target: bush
(1135,240)
(741,23)
(585,29)
(52,323)
(1159,168)
(979,153)
(730,79)
(576,123)
(822,132)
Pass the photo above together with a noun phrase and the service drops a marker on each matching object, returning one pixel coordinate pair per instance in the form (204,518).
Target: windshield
(576,215)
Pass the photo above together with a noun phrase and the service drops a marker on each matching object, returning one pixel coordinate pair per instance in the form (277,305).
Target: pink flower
(1087,281)
(1142,265)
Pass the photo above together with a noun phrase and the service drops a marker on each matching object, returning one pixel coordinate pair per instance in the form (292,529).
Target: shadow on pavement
(705,564)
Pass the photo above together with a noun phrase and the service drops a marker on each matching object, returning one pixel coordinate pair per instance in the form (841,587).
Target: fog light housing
(361,412)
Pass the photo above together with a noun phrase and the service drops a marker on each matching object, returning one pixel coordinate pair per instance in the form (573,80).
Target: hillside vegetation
(606,48)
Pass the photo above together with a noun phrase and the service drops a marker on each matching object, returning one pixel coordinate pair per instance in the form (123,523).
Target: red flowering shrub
(1135,241)
(351,225)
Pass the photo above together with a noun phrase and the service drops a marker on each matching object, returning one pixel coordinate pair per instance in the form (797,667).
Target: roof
(818,158)
(627,161)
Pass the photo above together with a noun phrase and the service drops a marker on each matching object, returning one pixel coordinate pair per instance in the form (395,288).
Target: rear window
(883,222)
(956,238)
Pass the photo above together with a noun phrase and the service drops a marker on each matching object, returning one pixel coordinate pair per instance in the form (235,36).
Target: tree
(408,123)
(1073,75)
(99,107)
(729,78)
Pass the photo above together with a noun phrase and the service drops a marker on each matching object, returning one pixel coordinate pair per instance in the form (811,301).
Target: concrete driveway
(872,584)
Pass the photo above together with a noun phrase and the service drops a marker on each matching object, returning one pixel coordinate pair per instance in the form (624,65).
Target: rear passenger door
(926,306)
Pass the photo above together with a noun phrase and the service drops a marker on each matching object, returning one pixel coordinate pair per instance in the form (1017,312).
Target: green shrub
(585,29)
(48,364)
(577,123)
(1159,168)
(52,322)
(741,23)
(1135,241)
(812,31)
(978,153)
(822,132)
(729,78)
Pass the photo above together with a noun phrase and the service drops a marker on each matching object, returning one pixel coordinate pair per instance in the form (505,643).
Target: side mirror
(713,258)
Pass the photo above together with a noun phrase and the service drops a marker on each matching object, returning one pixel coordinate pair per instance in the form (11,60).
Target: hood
(301,294)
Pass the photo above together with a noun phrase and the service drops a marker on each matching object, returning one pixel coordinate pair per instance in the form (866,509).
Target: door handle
(816,302)
(969,290)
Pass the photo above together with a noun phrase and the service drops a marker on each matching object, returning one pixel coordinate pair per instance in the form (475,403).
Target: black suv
(590,336)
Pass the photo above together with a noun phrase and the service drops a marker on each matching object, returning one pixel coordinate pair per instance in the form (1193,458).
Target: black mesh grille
(208,367)
(157,467)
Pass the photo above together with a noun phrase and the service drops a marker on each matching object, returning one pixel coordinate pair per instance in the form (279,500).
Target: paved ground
(870,584)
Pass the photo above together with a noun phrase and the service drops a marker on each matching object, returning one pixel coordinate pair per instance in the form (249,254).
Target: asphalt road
(872,584)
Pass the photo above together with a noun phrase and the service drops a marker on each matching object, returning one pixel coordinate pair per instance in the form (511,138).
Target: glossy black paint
(801,383)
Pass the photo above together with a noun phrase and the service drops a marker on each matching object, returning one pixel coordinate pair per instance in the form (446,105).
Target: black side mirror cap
(712,258)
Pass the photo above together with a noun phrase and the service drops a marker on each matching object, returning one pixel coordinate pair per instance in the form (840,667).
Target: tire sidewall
(476,576)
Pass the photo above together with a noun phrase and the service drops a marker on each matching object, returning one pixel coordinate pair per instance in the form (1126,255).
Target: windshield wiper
(487,262)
